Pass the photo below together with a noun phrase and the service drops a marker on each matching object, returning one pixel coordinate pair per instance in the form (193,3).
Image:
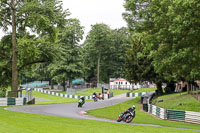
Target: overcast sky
(90,12)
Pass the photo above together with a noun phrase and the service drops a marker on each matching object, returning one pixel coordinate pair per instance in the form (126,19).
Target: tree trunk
(14,49)
(64,89)
(159,90)
(52,84)
(70,83)
(188,87)
(98,68)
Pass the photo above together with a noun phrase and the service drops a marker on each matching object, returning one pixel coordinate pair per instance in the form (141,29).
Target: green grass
(112,112)
(15,122)
(90,91)
(53,99)
(87,92)
(173,101)
(144,90)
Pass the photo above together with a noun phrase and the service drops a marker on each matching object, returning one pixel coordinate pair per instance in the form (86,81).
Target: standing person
(108,93)
(58,86)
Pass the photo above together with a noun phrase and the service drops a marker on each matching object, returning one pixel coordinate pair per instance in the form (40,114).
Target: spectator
(108,93)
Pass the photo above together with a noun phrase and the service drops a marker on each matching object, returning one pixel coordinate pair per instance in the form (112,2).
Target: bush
(2,92)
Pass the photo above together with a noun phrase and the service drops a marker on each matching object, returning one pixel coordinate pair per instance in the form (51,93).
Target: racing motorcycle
(127,116)
(94,97)
(81,101)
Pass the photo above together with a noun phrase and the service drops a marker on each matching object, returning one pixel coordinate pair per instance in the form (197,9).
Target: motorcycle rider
(94,96)
(81,101)
(131,109)
(128,115)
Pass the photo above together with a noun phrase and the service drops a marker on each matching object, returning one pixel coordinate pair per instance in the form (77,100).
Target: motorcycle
(81,102)
(94,97)
(126,116)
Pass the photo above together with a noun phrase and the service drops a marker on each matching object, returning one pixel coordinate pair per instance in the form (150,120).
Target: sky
(90,12)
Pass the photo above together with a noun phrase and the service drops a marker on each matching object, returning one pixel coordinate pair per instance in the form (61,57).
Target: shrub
(2,92)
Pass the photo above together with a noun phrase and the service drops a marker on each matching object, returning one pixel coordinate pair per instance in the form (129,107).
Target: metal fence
(157,111)
(175,115)
(139,94)
(12,101)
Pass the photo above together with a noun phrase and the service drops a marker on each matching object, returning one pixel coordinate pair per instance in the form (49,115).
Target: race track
(71,110)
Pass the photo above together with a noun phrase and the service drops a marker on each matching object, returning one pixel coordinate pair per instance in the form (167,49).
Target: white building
(120,83)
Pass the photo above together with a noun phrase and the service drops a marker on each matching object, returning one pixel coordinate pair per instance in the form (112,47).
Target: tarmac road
(70,109)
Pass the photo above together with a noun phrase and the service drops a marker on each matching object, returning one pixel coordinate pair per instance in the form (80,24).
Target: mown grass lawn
(179,101)
(144,90)
(15,122)
(90,91)
(112,112)
(52,99)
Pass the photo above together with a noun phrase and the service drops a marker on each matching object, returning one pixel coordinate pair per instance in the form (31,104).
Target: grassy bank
(179,101)
(52,99)
(112,112)
(14,122)
(144,90)
(90,91)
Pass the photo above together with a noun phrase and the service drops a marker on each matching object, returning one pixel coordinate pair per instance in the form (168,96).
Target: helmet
(133,106)
(82,98)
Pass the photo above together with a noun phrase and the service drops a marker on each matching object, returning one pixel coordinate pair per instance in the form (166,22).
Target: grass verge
(52,99)
(112,112)
(144,90)
(15,122)
(90,91)
(179,101)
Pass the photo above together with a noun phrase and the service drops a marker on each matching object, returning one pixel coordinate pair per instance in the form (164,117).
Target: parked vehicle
(128,115)
(81,101)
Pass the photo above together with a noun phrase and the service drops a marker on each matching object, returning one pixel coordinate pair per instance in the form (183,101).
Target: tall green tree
(69,65)
(113,57)
(99,39)
(138,65)
(41,17)
(116,57)
(172,28)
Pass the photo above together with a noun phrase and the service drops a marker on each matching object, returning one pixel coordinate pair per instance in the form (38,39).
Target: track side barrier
(174,115)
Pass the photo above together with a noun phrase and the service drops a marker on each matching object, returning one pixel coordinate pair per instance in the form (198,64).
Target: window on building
(121,82)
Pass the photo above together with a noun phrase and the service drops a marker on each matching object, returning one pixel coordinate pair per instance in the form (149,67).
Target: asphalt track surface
(71,110)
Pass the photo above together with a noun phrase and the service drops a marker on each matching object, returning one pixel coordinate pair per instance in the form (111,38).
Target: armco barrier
(128,94)
(157,111)
(63,95)
(60,94)
(12,101)
(174,115)
(192,117)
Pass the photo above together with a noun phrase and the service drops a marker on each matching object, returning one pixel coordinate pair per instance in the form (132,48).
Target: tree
(172,28)
(69,65)
(113,56)
(41,17)
(116,56)
(138,65)
(99,40)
